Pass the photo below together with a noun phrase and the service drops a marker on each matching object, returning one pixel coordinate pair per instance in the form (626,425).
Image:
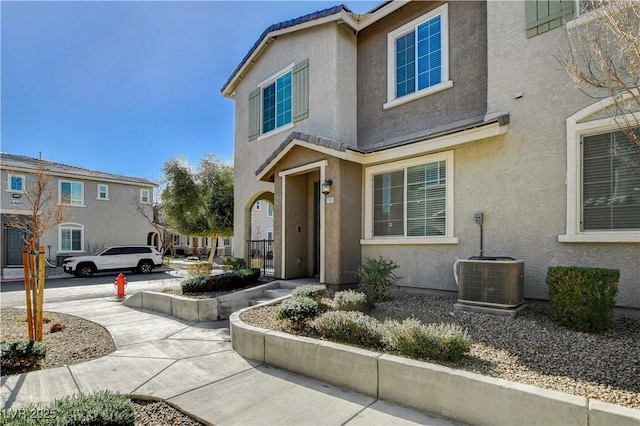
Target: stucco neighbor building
(101,208)
(414,117)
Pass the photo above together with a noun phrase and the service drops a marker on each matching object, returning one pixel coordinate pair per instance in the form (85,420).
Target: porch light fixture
(326,186)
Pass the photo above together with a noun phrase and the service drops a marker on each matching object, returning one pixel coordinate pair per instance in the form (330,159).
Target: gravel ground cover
(529,348)
(81,340)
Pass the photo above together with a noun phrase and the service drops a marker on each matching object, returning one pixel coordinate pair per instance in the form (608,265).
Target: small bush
(350,300)
(221,282)
(447,342)
(297,308)
(234,262)
(377,278)
(57,327)
(313,291)
(583,298)
(199,269)
(21,356)
(350,327)
(102,408)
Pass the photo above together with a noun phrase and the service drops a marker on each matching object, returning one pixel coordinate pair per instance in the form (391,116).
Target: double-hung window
(145,196)
(103,192)
(15,183)
(279,101)
(70,237)
(410,199)
(71,193)
(610,182)
(418,58)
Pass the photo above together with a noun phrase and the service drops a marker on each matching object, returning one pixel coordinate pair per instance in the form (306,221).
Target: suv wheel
(84,270)
(145,267)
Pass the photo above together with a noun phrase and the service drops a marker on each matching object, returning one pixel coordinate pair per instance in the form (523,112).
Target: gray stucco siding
(332,107)
(467,70)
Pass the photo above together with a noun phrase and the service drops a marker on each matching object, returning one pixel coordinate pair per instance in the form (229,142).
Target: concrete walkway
(193,366)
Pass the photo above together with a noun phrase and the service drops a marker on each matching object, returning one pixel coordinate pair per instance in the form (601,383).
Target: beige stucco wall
(518,179)
(332,111)
(106,222)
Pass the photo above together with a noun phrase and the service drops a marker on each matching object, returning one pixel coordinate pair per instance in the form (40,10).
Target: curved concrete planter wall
(447,392)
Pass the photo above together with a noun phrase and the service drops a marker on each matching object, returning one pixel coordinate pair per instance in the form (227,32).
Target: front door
(14,243)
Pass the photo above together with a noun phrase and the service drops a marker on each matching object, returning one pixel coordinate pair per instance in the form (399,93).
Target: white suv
(135,258)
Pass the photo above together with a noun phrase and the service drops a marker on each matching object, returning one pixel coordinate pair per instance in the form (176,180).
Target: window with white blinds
(411,202)
(610,182)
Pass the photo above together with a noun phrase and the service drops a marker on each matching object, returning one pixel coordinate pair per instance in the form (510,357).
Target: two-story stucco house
(384,134)
(102,208)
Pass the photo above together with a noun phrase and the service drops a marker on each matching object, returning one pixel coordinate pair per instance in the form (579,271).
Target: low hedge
(221,282)
(582,298)
(21,356)
(102,408)
(351,327)
(351,300)
(313,291)
(297,308)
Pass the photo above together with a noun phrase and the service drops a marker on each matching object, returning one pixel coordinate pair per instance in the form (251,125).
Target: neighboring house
(101,208)
(411,119)
(262,220)
(185,245)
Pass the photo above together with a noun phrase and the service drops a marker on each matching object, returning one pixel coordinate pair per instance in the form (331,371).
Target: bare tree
(154,217)
(46,215)
(603,61)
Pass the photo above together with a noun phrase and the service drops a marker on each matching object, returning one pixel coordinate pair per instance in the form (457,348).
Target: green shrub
(350,300)
(102,408)
(21,356)
(221,282)
(297,308)
(447,342)
(350,327)
(377,278)
(235,263)
(583,298)
(313,291)
(199,269)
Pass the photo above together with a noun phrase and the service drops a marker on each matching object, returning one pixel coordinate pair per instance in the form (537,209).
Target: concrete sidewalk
(193,366)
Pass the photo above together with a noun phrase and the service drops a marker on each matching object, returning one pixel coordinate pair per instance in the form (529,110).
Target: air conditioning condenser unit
(496,282)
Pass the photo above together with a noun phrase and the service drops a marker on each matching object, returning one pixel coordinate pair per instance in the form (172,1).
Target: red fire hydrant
(121,283)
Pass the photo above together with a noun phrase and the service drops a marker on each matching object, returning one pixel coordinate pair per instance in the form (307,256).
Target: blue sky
(120,87)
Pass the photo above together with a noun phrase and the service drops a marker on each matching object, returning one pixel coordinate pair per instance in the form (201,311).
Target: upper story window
(269,210)
(411,200)
(279,101)
(418,58)
(71,193)
(103,192)
(145,196)
(15,183)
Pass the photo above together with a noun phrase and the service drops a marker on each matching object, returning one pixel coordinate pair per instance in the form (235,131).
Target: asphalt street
(68,288)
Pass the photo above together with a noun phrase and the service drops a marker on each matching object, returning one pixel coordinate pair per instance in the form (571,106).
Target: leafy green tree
(198,200)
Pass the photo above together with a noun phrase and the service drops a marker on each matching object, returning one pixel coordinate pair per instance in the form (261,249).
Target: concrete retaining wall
(454,394)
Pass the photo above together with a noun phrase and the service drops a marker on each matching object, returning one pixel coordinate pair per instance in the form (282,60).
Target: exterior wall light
(326,186)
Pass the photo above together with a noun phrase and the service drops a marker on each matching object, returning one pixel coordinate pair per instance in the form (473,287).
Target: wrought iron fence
(260,255)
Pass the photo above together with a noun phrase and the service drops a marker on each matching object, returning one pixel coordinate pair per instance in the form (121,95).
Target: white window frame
(370,172)
(271,79)
(106,192)
(72,227)
(22,180)
(148,196)
(576,129)
(76,203)
(269,209)
(392,100)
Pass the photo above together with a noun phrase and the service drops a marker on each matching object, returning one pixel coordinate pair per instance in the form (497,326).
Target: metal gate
(260,255)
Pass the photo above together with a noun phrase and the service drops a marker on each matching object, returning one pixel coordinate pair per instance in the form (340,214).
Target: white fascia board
(436,144)
(397,153)
(381,13)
